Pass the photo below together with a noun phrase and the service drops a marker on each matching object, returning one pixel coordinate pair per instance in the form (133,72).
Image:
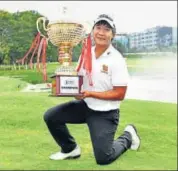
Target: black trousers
(102,126)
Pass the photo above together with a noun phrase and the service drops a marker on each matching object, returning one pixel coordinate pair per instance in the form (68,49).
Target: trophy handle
(43,19)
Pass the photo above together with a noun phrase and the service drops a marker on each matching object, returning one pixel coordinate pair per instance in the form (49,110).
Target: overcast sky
(128,16)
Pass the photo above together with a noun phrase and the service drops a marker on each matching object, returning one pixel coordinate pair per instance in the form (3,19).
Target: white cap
(106,18)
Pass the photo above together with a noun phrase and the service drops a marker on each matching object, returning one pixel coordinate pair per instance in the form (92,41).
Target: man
(99,105)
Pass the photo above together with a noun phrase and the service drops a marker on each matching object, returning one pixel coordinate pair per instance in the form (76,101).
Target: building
(151,38)
(164,36)
(123,39)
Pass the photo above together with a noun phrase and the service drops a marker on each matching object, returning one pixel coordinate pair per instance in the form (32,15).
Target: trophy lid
(65,17)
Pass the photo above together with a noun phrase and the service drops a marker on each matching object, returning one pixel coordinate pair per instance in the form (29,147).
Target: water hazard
(154,79)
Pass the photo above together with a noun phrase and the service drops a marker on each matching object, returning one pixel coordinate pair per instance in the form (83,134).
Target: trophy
(65,35)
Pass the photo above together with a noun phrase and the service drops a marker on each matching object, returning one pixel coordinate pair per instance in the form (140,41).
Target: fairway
(26,143)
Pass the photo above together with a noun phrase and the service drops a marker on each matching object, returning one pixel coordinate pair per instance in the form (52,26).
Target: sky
(129,16)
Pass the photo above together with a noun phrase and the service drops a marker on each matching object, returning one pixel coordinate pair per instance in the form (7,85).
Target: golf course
(26,143)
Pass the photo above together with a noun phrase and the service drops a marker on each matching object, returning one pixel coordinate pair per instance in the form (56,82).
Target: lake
(155,81)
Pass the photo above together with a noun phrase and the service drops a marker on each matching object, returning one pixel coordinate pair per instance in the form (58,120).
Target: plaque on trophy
(65,35)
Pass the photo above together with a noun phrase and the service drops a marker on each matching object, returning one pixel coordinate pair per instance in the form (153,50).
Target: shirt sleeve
(119,71)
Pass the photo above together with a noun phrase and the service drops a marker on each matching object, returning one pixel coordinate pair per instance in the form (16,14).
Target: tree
(119,46)
(76,52)
(17,32)
(5,30)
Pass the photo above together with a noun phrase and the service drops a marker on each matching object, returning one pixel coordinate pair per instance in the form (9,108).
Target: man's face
(102,34)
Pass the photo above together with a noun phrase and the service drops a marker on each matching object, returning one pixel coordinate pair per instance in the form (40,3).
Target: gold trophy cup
(65,35)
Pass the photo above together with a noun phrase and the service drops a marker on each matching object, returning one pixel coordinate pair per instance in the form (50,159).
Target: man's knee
(102,157)
(53,115)
(47,116)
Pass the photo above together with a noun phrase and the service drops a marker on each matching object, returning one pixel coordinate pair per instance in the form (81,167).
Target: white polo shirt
(108,70)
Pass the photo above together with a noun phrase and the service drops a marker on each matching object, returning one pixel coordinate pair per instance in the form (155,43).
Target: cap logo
(105,16)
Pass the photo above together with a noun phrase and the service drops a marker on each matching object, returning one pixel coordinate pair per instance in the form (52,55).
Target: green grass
(136,64)
(30,76)
(26,143)
(35,77)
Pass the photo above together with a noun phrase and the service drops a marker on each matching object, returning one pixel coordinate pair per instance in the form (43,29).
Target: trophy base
(66,85)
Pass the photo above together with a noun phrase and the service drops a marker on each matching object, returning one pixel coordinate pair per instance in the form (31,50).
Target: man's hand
(84,95)
(79,97)
(117,93)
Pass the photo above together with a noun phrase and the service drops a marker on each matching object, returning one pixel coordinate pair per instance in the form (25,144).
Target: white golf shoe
(135,137)
(62,156)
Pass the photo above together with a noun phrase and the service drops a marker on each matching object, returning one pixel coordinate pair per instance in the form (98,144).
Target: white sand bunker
(45,87)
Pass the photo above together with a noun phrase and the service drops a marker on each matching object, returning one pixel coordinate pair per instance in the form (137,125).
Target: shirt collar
(107,51)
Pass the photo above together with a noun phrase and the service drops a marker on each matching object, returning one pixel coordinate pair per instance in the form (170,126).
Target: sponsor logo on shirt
(104,69)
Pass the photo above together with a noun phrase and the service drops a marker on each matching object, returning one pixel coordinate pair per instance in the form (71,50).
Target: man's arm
(117,93)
